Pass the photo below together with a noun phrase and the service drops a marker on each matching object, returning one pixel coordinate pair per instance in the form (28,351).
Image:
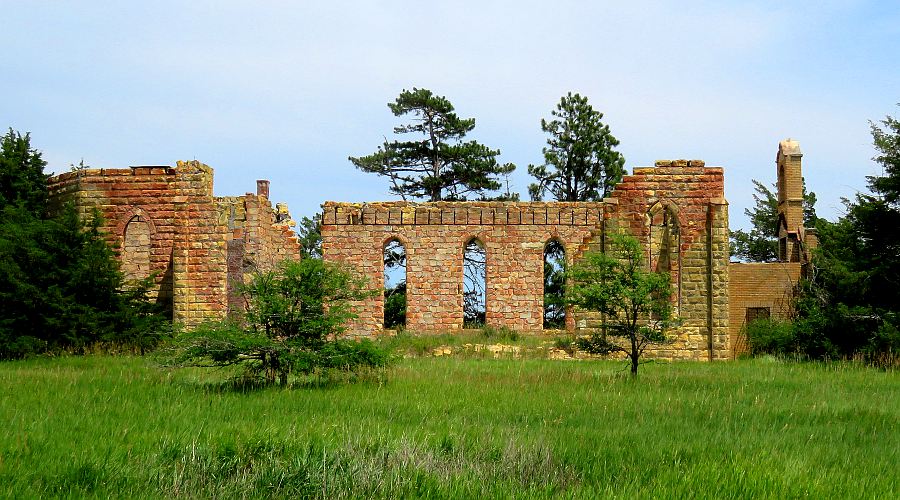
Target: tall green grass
(449,427)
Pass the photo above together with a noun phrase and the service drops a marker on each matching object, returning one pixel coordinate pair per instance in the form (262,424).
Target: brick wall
(514,235)
(767,285)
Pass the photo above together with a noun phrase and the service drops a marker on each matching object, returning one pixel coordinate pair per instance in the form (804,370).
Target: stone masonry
(166,223)
(678,204)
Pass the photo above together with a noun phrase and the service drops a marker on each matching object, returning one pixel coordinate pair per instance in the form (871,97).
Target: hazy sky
(287,90)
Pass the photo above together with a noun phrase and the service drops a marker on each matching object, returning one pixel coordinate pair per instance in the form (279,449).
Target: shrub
(770,336)
(294,317)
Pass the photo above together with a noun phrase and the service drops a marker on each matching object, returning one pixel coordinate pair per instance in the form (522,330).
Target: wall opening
(665,247)
(394,284)
(474,284)
(755,313)
(554,285)
(136,249)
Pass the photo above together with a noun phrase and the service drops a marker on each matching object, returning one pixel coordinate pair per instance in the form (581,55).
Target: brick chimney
(262,188)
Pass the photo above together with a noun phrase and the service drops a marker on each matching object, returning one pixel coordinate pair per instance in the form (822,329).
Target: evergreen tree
(580,163)
(851,303)
(60,284)
(22,178)
(310,233)
(760,244)
(439,166)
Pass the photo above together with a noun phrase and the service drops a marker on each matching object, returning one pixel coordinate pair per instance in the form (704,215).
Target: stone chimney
(262,188)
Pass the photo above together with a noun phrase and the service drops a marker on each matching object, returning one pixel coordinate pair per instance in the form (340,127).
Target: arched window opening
(665,247)
(136,249)
(474,284)
(394,284)
(554,285)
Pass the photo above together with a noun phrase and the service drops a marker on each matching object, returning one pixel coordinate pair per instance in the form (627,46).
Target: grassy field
(451,427)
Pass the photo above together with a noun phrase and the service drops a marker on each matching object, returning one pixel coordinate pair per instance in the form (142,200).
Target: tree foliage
(294,317)
(554,285)
(851,303)
(310,233)
(580,163)
(22,178)
(439,165)
(60,283)
(760,244)
(635,301)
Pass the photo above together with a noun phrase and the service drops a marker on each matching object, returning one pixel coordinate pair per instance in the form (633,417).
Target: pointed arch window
(474,284)
(554,285)
(136,249)
(665,245)
(394,284)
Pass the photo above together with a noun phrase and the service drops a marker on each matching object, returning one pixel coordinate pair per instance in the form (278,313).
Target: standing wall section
(196,242)
(121,195)
(434,236)
(514,235)
(694,195)
(759,286)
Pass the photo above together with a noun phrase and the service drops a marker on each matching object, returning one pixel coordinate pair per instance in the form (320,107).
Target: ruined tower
(790,200)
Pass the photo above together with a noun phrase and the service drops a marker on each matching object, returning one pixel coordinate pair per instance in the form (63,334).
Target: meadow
(99,426)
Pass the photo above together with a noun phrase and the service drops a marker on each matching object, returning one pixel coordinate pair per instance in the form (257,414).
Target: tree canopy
(580,163)
(635,301)
(849,304)
(22,178)
(293,318)
(60,283)
(760,244)
(439,165)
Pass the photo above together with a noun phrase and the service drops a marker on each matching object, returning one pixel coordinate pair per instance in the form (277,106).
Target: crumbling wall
(165,222)
(514,235)
(435,234)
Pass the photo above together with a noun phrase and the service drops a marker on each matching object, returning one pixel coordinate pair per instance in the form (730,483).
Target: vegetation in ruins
(554,285)
(760,243)
(849,305)
(437,165)
(310,233)
(60,284)
(394,285)
(294,316)
(634,301)
(452,428)
(580,162)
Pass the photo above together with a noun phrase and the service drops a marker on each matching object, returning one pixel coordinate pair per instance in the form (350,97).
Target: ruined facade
(765,289)
(676,209)
(165,222)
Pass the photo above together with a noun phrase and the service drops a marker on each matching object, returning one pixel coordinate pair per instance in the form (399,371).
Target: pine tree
(580,163)
(439,166)
(22,179)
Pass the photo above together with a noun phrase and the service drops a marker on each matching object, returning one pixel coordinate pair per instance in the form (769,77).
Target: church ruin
(165,222)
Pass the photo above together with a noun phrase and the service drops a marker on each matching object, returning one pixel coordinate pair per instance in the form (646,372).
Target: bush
(770,336)
(294,317)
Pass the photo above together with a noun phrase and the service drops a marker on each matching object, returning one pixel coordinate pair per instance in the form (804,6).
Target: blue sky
(287,90)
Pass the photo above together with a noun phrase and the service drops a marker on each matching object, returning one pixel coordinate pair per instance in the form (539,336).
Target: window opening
(474,284)
(554,285)
(394,284)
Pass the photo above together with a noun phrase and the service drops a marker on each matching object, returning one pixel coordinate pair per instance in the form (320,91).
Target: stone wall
(514,236)
(165,222)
